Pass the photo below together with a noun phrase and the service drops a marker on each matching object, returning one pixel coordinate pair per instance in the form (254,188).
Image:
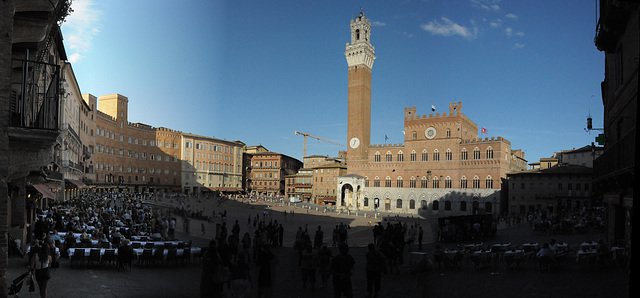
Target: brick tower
(360,56)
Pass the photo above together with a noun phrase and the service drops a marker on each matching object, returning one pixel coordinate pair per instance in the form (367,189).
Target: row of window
(264,164)
(211,156)
(435,156)
(134,154)
(435,205)
(211,166)
(569,186)
(120,168)
(133,140)
(212,147)
(435,183)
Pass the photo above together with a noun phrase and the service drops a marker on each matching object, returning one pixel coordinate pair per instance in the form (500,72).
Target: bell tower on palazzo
(360,55)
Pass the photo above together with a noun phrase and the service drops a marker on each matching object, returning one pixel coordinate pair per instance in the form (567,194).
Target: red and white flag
(484,130)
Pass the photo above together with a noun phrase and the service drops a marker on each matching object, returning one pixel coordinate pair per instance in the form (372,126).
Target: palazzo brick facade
(441,159)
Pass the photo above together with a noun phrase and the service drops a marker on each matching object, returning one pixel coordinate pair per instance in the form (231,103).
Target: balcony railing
(35,100)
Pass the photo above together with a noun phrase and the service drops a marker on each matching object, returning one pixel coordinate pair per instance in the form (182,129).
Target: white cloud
(509,32)
(519,45)
(495,24)
(75,57)
(80,27)
(377,23)
(487,5)
(511,16)
(449,28)
(410,35)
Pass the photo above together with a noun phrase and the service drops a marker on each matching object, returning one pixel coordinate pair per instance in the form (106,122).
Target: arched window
(399,182)
(463,206)
(448,155)
(366,202)
(366,181)
(376,182)
(476,182)
(463,182)
(447,205)
(413,155)
(387,182)
(476,153)
(447,182)
(488,207)
(400,156)
(412,182)
(357,34)
(448,133)
(399,203)
(489,182)
(425,155)
(489,153)
(389,156)
(412,204)
(435,205)
(423,204)
(436,182)
(463,154)
(377,157)
(423,182)
(436,155)
(415,135)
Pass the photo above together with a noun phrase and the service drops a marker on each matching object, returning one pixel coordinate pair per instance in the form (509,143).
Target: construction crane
(304,153)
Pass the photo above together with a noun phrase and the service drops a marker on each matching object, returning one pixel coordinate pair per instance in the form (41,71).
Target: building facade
(583,156)
(617,36)
(300,185)
(325,178)
(266,172)
(128,155)
(552,191)
(32,54)
(211,165)
(441,159)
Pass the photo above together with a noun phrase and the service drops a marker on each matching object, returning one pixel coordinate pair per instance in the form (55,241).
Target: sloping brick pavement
(567,279)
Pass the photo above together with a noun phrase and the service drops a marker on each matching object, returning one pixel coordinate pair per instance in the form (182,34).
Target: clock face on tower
(430,133)
(354,143)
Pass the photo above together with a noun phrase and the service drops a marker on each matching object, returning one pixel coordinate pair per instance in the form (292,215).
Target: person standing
(342,268)
(280,235)
(308,266)
(324,263)
(263,260)
(211,264)
(40,261)
(420,238)
(376,263)
(317,238)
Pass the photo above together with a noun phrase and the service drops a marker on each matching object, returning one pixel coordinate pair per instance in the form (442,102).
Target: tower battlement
(486,140)
(454,110)
(400,145)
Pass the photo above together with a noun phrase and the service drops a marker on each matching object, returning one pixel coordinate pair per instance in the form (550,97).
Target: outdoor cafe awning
(44,190)
(77,183)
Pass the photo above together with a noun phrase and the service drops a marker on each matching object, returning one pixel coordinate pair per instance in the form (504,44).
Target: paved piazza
(566,279)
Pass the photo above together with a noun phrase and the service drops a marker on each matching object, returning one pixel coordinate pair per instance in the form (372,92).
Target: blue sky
(256,71)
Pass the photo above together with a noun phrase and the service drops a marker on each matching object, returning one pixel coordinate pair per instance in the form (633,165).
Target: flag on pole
(484,130)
